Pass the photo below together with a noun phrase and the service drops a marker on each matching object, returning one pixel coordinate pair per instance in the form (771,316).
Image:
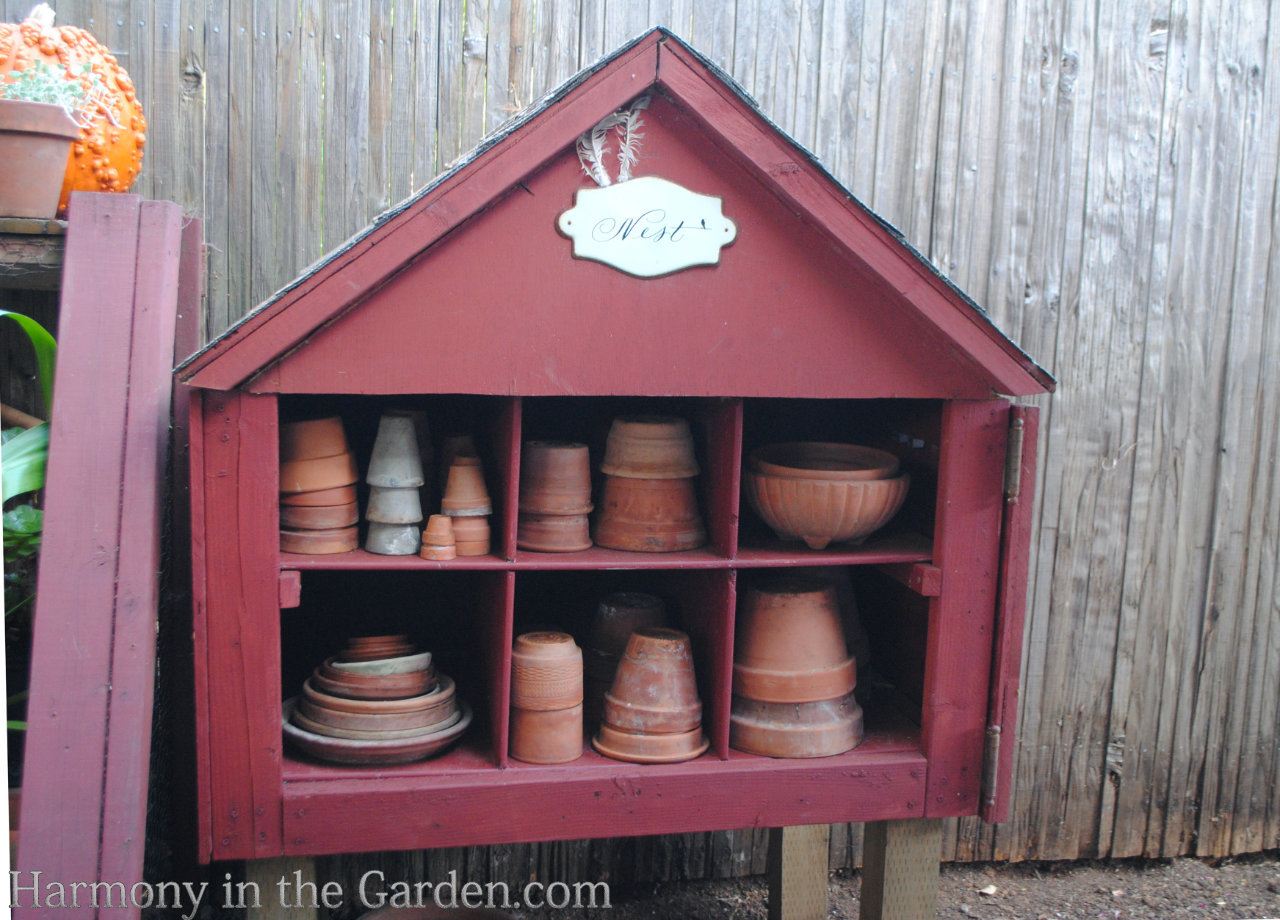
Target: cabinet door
(1011,604)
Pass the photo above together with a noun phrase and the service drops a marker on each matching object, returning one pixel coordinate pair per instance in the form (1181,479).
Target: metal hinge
(1013,459)
(991,766)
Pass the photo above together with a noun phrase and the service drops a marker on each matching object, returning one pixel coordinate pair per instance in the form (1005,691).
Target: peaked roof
(657,59)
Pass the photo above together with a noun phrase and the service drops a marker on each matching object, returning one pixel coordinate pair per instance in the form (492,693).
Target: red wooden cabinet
(817,323)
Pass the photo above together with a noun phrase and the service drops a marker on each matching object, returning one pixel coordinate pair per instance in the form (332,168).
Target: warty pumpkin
(113,130)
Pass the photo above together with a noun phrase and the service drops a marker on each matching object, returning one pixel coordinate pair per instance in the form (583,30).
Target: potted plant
(36,131)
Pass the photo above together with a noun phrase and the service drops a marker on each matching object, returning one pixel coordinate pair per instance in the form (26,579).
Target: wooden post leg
(900,869)
(798,872)
(300,895)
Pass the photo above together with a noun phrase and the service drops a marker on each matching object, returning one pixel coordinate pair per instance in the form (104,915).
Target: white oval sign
(647,227)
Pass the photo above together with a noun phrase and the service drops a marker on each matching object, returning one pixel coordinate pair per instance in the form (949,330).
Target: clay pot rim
(643,719)
(320,542)
(338,495)
(445,690)
(537,649)
(772,739)
(812,686)
(823,460)
(630,746)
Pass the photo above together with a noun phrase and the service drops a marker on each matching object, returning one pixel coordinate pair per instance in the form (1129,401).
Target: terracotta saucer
(344,750)
(662,748)
(399,664)
(328,679)
(376,721)
(372,734)
(445,690)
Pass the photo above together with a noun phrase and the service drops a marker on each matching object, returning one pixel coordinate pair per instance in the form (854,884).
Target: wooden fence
(1101,175)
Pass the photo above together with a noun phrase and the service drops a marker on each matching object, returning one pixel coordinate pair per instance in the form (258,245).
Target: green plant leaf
(46,348)
(24,461)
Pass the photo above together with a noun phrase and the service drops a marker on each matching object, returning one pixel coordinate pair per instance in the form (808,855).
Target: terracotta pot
(546,671)
(546,736)
(815,729)
(789,644)
(318,517)
(553,533)
(437,539)
(820,512)
(311,438)
(465,494)
(444,692)
(471,535)
(654,689)
(618,615)
(35,144)
(319,542)
(823,460)
(395,461)
(642,748)
(454,445)
(393,505)
(347,751)
(393,539)
(555,478)
(318,473)
(341,495)
(649,447)
(649,515)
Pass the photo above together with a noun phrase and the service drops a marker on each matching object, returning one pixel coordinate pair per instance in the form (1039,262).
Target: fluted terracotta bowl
(821,512)
(824,460)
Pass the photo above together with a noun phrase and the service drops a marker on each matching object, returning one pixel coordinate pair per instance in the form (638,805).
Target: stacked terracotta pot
(555,497)
(652,713)
(546,698)
(379,701)
(438,542)
(616,617)
(793,678)
(318,511)
(466,501)
(395,477)
(648,502)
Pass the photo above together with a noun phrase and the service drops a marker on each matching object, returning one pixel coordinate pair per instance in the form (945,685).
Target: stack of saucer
(379,701)
(318,511)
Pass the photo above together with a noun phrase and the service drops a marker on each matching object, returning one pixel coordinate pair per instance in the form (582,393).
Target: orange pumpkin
(113,131)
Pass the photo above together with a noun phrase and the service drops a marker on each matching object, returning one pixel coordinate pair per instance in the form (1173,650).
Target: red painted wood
(507,481)
(745,134)
(384,249)
(290,589)
(137,588)
(496,611)
(920,577)
(1015,554)
(241,636)
(596,796)
(723,421)
(63,774)
(962,618)
(203,692)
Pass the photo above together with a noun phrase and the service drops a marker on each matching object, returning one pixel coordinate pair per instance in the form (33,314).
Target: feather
(629,148)
(593,146)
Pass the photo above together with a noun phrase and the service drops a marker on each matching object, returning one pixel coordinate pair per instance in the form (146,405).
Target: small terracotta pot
(438,553)
(789,644)
(318,517)
(35,139)
(340,495)
(318,473)
(439,531)
(553,533)
(465,494)
(618,615)
(654,689)
(395,461)
(546,736)
(393,539)
(319,542)
(454,445)
(546,671)
(816,729)
(555,478)
(471,535)
(649,447)
(649,515)
(393,505)
(823,460)
(644,748)
(311,438)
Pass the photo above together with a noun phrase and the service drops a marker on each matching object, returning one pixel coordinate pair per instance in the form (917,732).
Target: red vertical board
(962,619)
(241,634)
(1006,670)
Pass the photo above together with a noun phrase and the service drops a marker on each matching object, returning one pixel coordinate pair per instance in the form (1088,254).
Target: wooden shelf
(31,253)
